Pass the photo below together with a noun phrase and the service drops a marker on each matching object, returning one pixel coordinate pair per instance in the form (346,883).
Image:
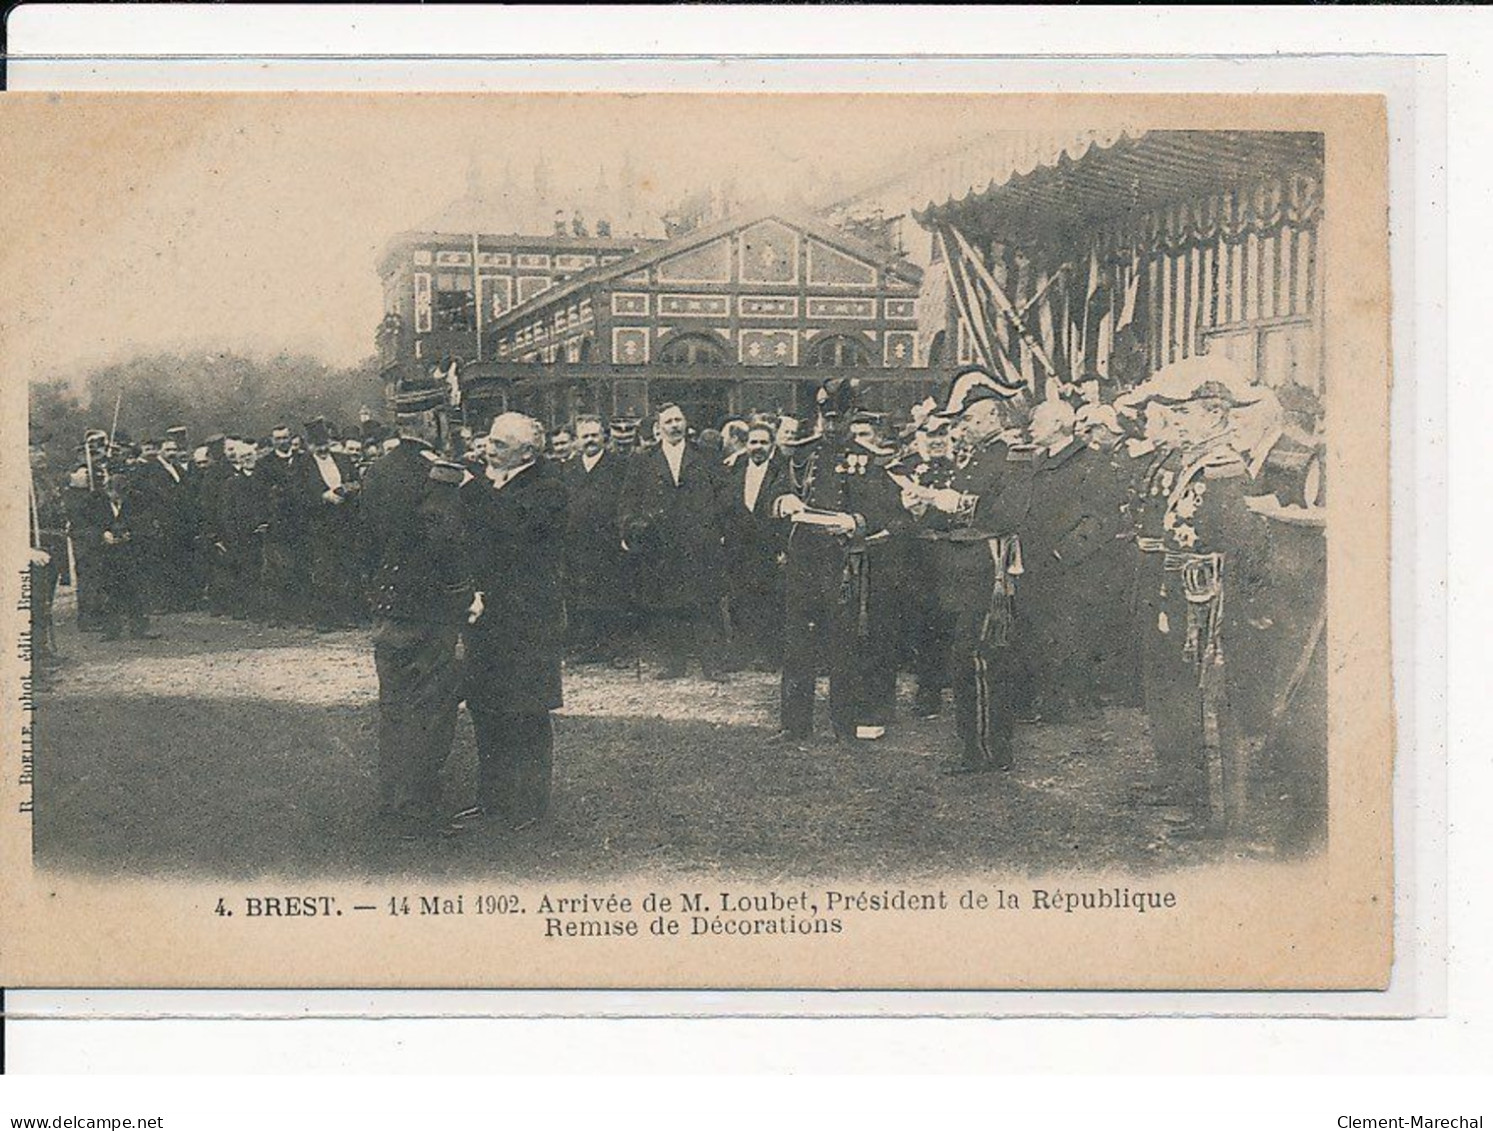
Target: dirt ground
(233,750)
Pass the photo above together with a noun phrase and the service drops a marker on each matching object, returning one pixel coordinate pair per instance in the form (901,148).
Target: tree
(206,393)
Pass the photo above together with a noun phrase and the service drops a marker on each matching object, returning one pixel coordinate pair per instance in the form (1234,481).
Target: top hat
(318,433)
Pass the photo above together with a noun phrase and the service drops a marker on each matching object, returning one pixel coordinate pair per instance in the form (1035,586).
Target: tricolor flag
(981,302)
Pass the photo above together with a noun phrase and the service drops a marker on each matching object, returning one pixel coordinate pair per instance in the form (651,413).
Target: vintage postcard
(696,541)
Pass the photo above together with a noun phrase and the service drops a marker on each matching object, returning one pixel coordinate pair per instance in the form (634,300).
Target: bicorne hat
(973,384)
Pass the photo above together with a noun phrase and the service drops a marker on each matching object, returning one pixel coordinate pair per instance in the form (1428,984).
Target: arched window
(839,351)
(692,349)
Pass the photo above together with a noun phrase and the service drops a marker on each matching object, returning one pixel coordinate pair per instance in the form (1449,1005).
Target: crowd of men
(263,530)
(1040,561)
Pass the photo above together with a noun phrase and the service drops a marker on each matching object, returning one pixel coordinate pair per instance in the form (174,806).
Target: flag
(974,288)
(1132,291)
(972,314)
(933,306)
(1104,344)
(1046,322)
(1089,294)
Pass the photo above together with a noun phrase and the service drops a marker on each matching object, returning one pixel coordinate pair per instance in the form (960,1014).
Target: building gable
(829,267)
(710,263)
(769,252)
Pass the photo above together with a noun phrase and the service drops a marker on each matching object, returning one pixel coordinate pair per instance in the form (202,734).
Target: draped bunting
(1153,288)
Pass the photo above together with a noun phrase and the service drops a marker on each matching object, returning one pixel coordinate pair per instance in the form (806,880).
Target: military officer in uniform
(929,463)
(1203,576)
(843,506)
(973,525)
(413,547)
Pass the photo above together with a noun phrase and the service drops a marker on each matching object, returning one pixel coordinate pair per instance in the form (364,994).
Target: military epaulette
(445,471)
(1022,453)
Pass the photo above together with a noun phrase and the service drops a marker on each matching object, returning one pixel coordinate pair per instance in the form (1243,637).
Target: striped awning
(1127,176)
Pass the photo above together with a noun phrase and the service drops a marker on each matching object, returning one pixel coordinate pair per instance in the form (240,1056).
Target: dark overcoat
(1076,553)
(673,531)
(411,537)
(754,539)
(282,478)
(593,543)
(515,541)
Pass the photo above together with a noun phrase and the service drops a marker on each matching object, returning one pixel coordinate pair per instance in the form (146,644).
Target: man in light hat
(973,525)
(1202,579)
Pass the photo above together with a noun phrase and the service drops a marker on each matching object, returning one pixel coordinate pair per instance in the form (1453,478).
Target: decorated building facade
(443,290)
(739,315)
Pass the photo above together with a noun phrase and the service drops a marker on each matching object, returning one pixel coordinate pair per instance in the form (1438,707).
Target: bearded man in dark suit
(514,520)
(755,543)
(329,493)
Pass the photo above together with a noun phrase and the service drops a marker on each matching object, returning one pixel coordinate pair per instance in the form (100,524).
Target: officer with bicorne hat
(973,525)
(1202,584)
(844,508)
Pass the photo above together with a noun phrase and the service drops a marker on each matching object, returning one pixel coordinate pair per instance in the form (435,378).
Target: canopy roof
(1130,174)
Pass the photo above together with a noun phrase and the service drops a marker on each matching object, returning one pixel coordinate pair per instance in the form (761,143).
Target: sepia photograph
(698,540)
